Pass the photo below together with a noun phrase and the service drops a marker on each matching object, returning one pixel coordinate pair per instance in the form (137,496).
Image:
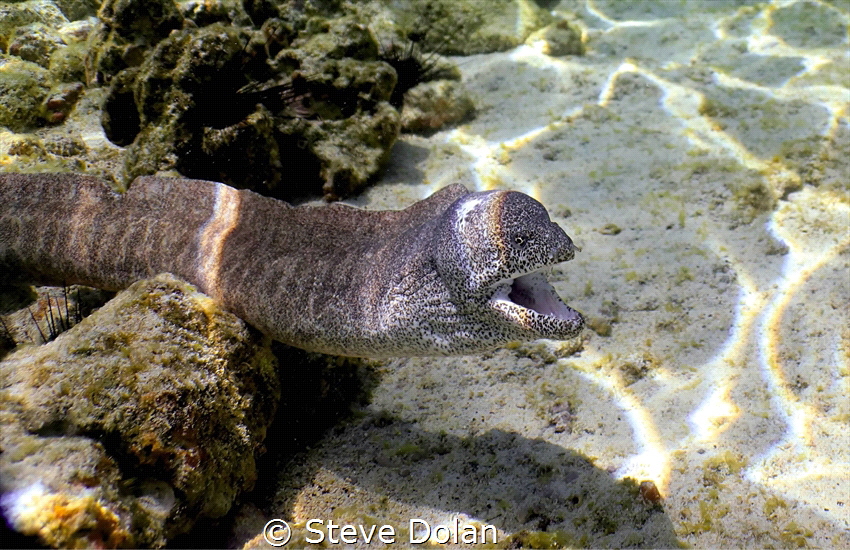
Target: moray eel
(456,273)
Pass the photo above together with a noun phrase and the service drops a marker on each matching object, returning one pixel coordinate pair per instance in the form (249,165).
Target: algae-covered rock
(23,88)
(140,18)
(203,13)
(366,138)
(36,36)
(338,39)
(35,42)
(186,79)
(126,30)
(559,39)
(78,9)
(198,105)
(142,418)
(286,99)
(56,153)
(60,101)
(68,64)
(465,28)
(37,315)
(19,14)
(433,105)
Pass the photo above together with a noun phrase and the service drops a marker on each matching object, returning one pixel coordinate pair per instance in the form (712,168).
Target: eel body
(456,273)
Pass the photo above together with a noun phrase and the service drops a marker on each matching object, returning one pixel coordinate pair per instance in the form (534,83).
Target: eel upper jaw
(530,303)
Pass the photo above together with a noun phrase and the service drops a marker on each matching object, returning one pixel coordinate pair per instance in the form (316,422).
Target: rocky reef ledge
(130,426)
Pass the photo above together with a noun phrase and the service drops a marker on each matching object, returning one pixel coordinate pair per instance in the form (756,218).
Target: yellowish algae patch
(60,520)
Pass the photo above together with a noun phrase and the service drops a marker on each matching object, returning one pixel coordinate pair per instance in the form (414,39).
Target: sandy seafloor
(698,155)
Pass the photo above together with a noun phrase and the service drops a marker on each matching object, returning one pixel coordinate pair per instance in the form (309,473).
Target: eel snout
(531,303)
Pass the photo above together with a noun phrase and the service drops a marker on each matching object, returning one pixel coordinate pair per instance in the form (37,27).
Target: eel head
(492,251)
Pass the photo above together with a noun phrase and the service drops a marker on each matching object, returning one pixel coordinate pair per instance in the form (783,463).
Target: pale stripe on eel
(212,236)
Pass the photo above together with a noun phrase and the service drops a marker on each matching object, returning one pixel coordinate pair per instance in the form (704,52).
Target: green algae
(559,39)
(719,467)
(410,450)
(751,199)
(772,504)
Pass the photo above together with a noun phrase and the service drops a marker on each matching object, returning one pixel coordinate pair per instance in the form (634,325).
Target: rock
(175,88)
(126,32)
(465,28)
(14,15)
(329,118)
(23,88)
(132,19)
(226,91)
(35,42)
(130,426)
(430,106)
(78,9)
(559,39)
(203,13)
(68,64)
(354,149)
(60,101)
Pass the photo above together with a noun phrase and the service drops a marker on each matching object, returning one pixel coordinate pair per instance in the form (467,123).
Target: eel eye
(520,240)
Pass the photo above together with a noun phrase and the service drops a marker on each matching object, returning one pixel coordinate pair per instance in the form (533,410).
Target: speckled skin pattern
(452,274)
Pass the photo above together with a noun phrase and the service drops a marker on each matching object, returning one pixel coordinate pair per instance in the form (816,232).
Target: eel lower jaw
(531,304)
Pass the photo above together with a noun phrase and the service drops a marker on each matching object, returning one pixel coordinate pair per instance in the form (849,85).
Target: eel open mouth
(530,302)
